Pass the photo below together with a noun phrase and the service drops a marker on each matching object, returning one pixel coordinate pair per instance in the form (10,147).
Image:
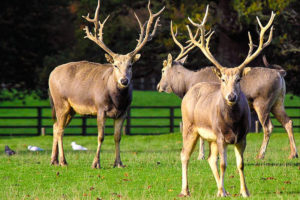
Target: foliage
(153,170)
(40,35)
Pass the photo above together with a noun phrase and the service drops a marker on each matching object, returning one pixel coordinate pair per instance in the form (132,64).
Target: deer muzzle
(124,82)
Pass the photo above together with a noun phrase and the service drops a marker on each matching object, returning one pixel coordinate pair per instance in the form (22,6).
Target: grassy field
(140,98)
(153,170)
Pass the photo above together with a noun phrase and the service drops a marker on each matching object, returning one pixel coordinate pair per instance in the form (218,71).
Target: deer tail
(52,106)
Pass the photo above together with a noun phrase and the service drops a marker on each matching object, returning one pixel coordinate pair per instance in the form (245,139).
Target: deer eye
(223,80)
(163,71)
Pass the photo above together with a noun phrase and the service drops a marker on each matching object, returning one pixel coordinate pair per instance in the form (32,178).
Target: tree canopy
(38,35)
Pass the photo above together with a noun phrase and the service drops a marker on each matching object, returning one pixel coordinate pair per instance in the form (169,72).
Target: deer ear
(170,59)
(246,71)
(217,72)
(109,58)
(182,60)
(136,58)
(165,63)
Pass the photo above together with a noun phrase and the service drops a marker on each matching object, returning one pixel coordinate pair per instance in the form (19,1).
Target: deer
(264,97)
(88,88)
(218,112)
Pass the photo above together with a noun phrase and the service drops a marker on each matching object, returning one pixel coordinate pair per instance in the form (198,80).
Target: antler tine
(100,34)
(183,50)
(97,37)
(203,42)
(147,37)
(141,28)
(261,44)
(154,29)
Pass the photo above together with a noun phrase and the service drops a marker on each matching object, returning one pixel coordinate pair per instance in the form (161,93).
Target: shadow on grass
(274,164)
(23,152)
(283,192)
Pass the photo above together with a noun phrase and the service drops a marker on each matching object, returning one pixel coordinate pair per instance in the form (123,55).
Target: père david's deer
(90,88)
(263,96)
(218,112)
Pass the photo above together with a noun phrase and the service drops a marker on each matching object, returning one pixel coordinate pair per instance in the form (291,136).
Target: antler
(261,45)
(183,50)
(144,35)
(97,37)
(203,42)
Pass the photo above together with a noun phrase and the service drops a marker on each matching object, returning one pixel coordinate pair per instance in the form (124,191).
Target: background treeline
(36,36)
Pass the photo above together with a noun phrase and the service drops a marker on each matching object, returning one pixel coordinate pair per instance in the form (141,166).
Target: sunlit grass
(153,170)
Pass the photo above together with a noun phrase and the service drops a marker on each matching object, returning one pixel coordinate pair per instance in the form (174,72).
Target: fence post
(153,86)
(171,120)
(83,125)
(39,120)
(128,122)
(256,126)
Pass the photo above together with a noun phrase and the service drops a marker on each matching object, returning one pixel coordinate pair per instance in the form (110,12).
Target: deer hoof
(222,193)
(119,164)
(245,193)
(96,165)
(201,157)
(54,162)
(260,157)
(63,163)
(184,194)
(293,155)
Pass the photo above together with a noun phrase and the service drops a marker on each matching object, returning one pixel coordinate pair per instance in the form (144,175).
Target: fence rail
(37,120)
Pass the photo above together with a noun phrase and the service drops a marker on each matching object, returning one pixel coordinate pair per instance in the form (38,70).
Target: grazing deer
(90,88)
(263,96)
(218,112)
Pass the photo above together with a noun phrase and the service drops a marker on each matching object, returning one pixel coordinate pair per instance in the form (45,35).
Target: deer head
(230,77)
(122,64)
(164,83)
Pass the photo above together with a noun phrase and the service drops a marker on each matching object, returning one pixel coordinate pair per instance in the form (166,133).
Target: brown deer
(90,88)
(263,96)
(218,112)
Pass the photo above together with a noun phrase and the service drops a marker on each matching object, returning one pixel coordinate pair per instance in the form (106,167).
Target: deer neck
(180,80)
(121,97)
(230,113)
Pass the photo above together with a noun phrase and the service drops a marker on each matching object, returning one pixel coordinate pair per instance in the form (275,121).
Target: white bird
(77,147)
(34,148)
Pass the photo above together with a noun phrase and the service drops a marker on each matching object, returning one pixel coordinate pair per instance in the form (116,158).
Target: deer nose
(124,81)
(232,97)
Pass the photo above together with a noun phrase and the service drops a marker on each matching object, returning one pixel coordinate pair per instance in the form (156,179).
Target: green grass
(153,170)
(140,98)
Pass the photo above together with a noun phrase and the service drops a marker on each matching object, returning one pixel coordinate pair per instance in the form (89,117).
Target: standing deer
(218,112)
(90,88)
(263,96)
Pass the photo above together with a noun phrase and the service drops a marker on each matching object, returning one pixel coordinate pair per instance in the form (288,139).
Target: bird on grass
(77,147)
(9,151)
(34,148)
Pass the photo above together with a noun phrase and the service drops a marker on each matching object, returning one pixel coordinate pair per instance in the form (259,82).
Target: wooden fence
(36,120)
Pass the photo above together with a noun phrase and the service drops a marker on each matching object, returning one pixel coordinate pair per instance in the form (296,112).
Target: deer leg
(222,147)
(264,118)
(189,142)
(239,151)
(213,161)
(100,123)
(54,156)
(118,123)
(59,129)
(201,155)
(280,114)
(64,115)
